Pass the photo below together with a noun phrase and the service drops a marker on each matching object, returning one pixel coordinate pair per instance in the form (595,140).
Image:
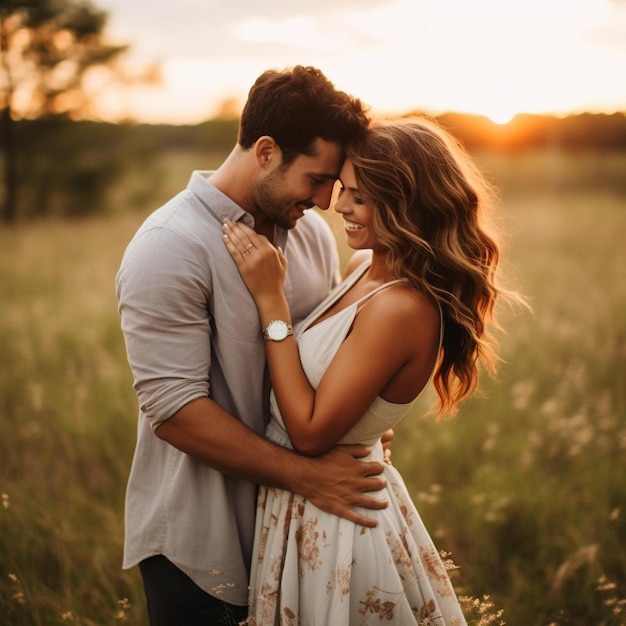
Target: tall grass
(526,488)
(67,426)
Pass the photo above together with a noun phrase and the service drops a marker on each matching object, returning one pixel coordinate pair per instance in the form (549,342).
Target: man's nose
(323,195)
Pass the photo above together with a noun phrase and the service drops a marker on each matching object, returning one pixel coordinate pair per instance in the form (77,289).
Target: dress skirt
(311,568)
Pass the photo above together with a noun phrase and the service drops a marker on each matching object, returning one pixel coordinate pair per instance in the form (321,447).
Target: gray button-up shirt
(192,330)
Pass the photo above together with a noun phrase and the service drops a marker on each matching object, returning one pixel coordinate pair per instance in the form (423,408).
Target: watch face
(277,330)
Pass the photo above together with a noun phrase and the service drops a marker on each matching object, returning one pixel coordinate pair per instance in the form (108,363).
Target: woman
(415,305)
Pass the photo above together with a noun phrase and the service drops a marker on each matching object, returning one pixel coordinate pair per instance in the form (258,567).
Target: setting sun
(501,117)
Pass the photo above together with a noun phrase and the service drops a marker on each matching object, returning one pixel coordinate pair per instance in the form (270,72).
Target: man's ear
(267,152)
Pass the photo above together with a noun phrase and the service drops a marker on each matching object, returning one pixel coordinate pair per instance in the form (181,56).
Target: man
(197,353)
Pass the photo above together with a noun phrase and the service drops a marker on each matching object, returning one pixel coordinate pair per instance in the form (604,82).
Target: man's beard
(271,202)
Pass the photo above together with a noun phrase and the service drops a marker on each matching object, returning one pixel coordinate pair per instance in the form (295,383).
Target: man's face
(286,192)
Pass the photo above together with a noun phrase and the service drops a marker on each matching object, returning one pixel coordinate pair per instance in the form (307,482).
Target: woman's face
(356,211)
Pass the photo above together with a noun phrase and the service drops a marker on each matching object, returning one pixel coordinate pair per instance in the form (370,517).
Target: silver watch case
(277,330)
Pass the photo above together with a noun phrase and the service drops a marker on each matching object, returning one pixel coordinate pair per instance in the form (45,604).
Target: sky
(491,57)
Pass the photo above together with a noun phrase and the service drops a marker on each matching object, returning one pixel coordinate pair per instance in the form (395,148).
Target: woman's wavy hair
(432,214)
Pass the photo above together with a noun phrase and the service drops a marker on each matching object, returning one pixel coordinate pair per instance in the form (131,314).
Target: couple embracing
(252,361)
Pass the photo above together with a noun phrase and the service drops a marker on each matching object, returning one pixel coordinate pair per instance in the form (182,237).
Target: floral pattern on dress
(373,604)
(340,581)
(311,565)
(436,571)
(400,550)
(308,545)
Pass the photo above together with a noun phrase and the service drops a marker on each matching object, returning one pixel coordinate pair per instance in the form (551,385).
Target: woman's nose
(339,205)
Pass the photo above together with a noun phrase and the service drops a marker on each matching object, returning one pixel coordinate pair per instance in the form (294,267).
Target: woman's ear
(267,152)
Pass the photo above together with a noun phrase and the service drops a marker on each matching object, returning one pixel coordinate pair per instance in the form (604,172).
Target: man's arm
(335,482)
(163,296)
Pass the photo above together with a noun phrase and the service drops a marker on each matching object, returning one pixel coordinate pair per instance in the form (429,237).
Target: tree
(48,48)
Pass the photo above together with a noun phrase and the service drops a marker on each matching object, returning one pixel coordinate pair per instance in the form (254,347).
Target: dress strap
(404,280)
(334,295)
(367,296)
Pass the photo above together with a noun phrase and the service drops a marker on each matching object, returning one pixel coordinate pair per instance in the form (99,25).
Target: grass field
(526,488)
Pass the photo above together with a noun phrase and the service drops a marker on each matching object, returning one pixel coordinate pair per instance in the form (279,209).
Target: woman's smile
(352,225)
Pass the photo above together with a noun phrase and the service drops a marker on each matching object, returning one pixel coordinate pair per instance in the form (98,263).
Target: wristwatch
(277,330)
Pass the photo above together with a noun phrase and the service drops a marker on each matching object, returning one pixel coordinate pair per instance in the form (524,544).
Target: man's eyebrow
(324,175)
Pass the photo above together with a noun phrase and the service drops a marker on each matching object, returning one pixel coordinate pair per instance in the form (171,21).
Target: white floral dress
(310,568)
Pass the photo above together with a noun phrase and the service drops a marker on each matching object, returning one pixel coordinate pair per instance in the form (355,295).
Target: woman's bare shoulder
(403,307)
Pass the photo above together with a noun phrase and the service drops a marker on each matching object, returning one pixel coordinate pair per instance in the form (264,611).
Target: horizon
(496,124)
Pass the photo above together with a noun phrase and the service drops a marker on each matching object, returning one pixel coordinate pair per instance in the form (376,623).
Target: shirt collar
(222,207)
(216,202)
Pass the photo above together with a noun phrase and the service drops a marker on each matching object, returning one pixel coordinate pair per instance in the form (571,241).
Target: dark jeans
(175,600)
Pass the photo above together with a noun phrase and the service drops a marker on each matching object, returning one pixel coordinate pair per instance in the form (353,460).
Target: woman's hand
(261,265)
(386,439)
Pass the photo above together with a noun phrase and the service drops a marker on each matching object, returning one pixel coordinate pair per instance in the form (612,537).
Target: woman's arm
(263,269)
(384,339)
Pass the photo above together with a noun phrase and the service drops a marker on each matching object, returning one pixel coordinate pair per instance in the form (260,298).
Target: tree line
(584,131)
(51,163)
(67,168)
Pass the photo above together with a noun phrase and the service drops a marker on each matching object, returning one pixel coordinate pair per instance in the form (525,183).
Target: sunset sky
(493,57)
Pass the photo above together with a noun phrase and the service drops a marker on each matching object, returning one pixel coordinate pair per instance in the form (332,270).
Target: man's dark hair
(297,105)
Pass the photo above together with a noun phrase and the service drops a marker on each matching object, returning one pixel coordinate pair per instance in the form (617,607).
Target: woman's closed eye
(355,197)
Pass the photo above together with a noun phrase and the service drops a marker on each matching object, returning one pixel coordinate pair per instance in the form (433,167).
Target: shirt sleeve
(163,289)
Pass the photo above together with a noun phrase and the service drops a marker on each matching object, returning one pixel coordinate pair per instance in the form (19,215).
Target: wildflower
(432,496)
(448,563)
(482,612)
(604,584)
(18,596)
(124,605)
(523,392)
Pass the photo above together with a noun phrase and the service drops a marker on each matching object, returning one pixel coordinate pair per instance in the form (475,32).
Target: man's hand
(339,482)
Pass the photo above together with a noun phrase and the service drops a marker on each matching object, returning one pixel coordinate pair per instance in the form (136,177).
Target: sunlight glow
(502,117)
(299,32)
(485,57)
